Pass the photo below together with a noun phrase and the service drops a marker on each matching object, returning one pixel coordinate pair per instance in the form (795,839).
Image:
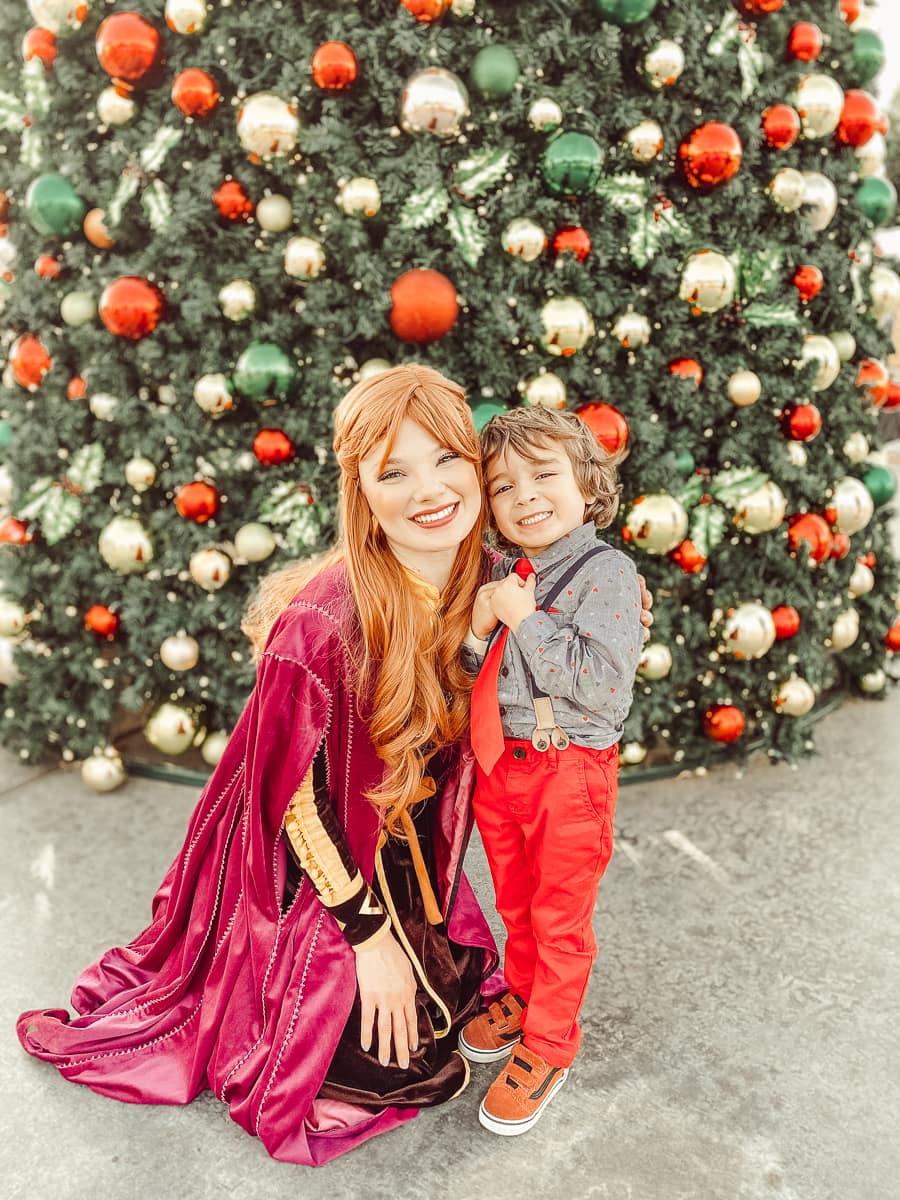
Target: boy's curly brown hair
(527,430)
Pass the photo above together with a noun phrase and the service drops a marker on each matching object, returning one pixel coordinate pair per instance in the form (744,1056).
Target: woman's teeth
(430,518)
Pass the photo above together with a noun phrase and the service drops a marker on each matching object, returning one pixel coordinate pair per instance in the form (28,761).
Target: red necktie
(486,726)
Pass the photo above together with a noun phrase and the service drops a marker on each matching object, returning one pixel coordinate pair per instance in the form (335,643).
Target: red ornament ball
(723,723)
(805,41)
(334,66)
(40,43)
(194,93)
(840,544)
(607,424)
(572,239)
(809,535)
(687,368)
(233,201)
(892,638)
(197,501)
(688,557)
(128,47)
(892,400)
(874,380)
(809,281)
(426,10)
(711,155)
(786,620)
(48,267)
(425,307)
(753,10)
(30,361)
(850,10)
(102,621)
(76,389)
(14,532)
(801,422)
(781,125)
(131,307)
(273,446)
(860,118)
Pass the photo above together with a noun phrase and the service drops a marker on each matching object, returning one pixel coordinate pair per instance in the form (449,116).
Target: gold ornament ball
(796,453)
(820,200)
(544,391)
(873,681)
(856,447)
(237,299)
(632,753)
(359,197)
(58,15)
(850,506)
(749,631)
(372,367)
(125,546)
(274,213)
(844,343)
(663,64)
(761,511)
(568,326)
(434,101)
(632,329)
(544,115)
(524,238)
(845,629)
(787,189)
(657,523)
(645,141)
(884,285)
(103,405)
(793,698)
(304,258)
(267,126)
(213,395)
(743,388)
(214,747)
(707,281)
(254,542)
(210,568)
(655,661)
(104,771)
(171,729)
(871,157)
(862,580)
(78,308)
(819,100)
(13,618)
(113,109)
(462,8)
(140,473)
(7,487)
(820,350)
(8,671)
(180,652)
(186,16)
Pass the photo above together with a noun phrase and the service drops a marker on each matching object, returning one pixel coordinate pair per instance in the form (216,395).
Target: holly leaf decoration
(425,208)
(466,231)
(734,485)
(474,176)
(86,468)
(692,492)
(708,525)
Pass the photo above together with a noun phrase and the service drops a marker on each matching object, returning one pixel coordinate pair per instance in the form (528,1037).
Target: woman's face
(425,497)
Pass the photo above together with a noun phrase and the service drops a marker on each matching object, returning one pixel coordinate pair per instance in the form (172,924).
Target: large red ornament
(781,125)
(40,43)
(873,378)
(194,92)
(131,307)
(273,446)
(801,422)
(711,155)
(14,532)
(424,306)
(892,399)
(233,201)
(687,368)
(572,239)
(688,557)
(860,118)
(197,501)
(426,10)
(840,544)
(723,723)
(128,48)
(754,9)
(334,66)
(892,638)
(30,361)
(102,621)
(809,281)
(48,267)
(607,424)
(805,41)
(786,620)
(850,10)
(808,534)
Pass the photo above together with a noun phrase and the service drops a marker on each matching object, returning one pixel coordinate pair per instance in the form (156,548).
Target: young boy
(547,713)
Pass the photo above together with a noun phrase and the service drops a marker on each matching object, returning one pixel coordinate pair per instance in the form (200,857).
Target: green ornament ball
(684,462)
(868,55)
(483,410)
(78,308)
(625,12)
(5,435)
(572,164)
(264,370)
(877,199)
(880,484)
(495,72)
(53,206)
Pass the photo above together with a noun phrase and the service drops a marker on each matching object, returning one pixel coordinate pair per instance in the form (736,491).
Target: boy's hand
(513,599)
(483,616)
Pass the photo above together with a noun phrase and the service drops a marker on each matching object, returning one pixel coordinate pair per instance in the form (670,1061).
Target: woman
(315,946)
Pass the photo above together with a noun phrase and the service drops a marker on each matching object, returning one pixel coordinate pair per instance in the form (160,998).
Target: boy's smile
(535,501)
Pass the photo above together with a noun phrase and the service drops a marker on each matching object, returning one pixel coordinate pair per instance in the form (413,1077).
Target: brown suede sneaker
(491,1036)
(517,1098)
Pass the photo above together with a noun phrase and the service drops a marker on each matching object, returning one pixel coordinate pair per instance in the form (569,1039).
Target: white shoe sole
(514,1128)
(477,1055)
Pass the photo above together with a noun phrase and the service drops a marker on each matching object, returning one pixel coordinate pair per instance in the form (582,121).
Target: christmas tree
(659,213)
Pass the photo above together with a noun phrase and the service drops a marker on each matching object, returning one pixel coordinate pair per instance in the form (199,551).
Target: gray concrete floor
(740,1033)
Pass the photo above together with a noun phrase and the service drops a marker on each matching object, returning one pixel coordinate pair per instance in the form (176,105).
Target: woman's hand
(513,599)
(387,993)
(483,616)
(646,605)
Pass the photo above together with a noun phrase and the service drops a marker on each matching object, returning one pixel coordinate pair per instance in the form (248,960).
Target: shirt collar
(568,546)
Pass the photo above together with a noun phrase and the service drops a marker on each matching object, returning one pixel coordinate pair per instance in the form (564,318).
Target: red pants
(546,821)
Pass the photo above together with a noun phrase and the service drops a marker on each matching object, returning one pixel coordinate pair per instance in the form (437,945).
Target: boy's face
(535,501)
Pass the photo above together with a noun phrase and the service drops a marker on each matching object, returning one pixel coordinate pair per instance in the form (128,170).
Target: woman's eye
(448,456)
(546,474)
(388,475)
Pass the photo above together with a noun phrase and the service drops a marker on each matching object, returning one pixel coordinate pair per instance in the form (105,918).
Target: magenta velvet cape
(222,990)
